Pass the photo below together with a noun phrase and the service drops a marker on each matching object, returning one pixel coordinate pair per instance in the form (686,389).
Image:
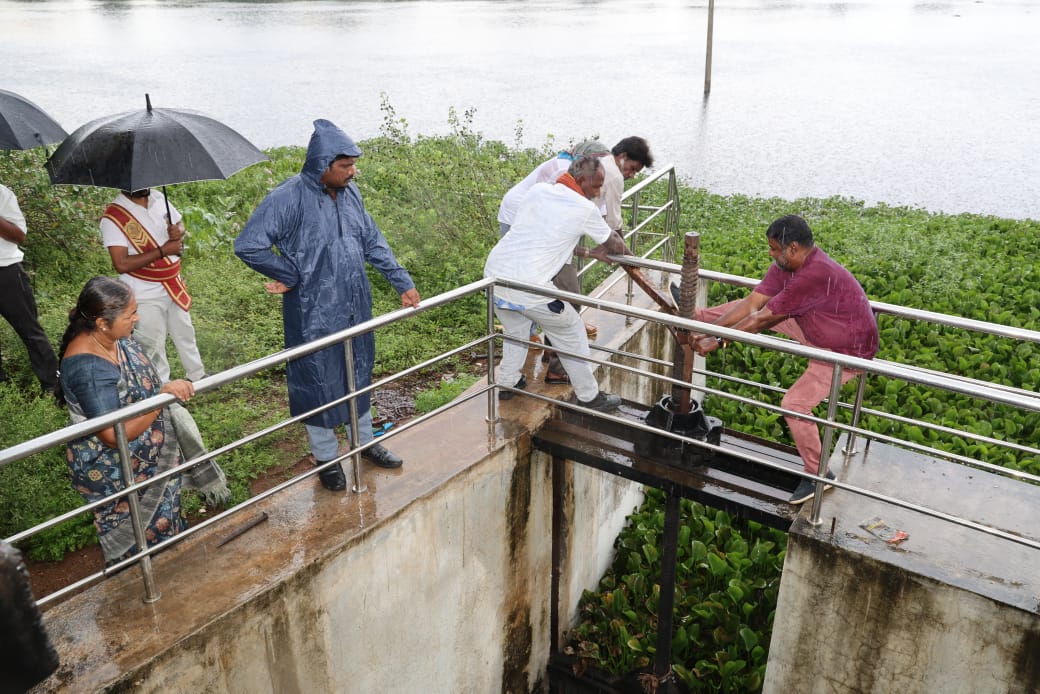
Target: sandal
(557,379)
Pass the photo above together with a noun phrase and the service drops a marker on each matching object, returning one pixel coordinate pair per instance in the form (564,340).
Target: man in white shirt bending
(544,235)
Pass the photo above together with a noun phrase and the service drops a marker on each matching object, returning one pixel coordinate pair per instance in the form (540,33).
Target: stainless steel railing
(117,419)
(974,388)
(1013,397)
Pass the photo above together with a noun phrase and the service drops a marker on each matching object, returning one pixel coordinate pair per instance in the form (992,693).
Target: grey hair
(584,167)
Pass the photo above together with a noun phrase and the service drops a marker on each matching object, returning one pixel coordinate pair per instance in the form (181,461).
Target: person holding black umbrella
(136,152)
(145,246)
(17,303)
(324,237)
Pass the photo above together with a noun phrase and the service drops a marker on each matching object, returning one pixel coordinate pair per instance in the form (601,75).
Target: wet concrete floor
(1000,569)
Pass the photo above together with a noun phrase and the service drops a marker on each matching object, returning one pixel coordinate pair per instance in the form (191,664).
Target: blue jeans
(325,445)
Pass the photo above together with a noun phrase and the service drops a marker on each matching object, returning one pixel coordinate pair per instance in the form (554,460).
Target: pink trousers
(811,388)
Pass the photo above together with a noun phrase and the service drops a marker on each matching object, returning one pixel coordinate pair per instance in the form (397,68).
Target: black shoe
(603,402)
(805,490)
(508,394)
(382,457)
(332,478)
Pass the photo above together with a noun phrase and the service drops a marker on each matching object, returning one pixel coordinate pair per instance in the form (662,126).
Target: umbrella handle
(169,217)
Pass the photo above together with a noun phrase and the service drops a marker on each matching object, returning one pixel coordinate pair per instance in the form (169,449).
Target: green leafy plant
(727,579)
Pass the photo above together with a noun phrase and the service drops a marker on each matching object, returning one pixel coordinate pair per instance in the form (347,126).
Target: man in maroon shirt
(808,297)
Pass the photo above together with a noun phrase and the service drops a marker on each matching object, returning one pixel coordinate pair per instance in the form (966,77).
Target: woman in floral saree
(102,370)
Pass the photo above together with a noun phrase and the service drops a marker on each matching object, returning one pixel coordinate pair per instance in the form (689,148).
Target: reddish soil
(45,577)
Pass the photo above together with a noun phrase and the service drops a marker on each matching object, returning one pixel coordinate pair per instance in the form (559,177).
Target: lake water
(930,104)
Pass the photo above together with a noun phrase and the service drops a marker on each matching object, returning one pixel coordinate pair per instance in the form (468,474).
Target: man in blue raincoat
(324,237)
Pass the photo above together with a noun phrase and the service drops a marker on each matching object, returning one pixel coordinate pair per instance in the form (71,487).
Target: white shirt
(609,200)
(551,220)
(153,219)
(10,253)
(546,172)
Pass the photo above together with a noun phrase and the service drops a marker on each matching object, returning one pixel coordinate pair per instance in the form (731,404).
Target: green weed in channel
(727,580)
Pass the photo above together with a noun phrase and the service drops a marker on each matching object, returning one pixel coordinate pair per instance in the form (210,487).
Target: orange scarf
(165,271)
(568,180)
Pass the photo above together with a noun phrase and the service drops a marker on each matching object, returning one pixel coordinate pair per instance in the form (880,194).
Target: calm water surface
(926,104)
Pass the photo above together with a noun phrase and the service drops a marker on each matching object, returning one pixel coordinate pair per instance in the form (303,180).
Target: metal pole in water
(707,51)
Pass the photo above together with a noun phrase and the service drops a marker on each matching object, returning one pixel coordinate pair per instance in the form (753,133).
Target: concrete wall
(451,595)
(849,624)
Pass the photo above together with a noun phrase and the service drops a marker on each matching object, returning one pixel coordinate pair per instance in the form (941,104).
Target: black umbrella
(155,147)
(24,125)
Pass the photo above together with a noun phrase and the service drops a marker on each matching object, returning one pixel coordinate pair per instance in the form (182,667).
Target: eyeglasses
(141,193)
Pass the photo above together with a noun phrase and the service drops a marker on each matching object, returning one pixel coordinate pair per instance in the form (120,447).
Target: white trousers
(566,331)
(162,317)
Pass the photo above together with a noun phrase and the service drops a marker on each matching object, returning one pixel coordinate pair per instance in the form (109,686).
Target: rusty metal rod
(683,366)
(244,529)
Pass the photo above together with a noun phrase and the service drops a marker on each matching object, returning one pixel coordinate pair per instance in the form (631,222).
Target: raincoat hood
(327,143)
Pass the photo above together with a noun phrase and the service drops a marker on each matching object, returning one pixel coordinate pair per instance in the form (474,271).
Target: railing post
(492,406)
(359,485)
(634,244)
(635,217)
(671,220)
(828,436)
(857,410)
(151,593)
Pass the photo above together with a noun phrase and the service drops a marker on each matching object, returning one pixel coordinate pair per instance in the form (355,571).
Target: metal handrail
(974,388)
(75,431)
(960,385)
(1014,397)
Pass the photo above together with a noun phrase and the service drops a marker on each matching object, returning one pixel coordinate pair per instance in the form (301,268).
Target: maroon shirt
(827,302)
